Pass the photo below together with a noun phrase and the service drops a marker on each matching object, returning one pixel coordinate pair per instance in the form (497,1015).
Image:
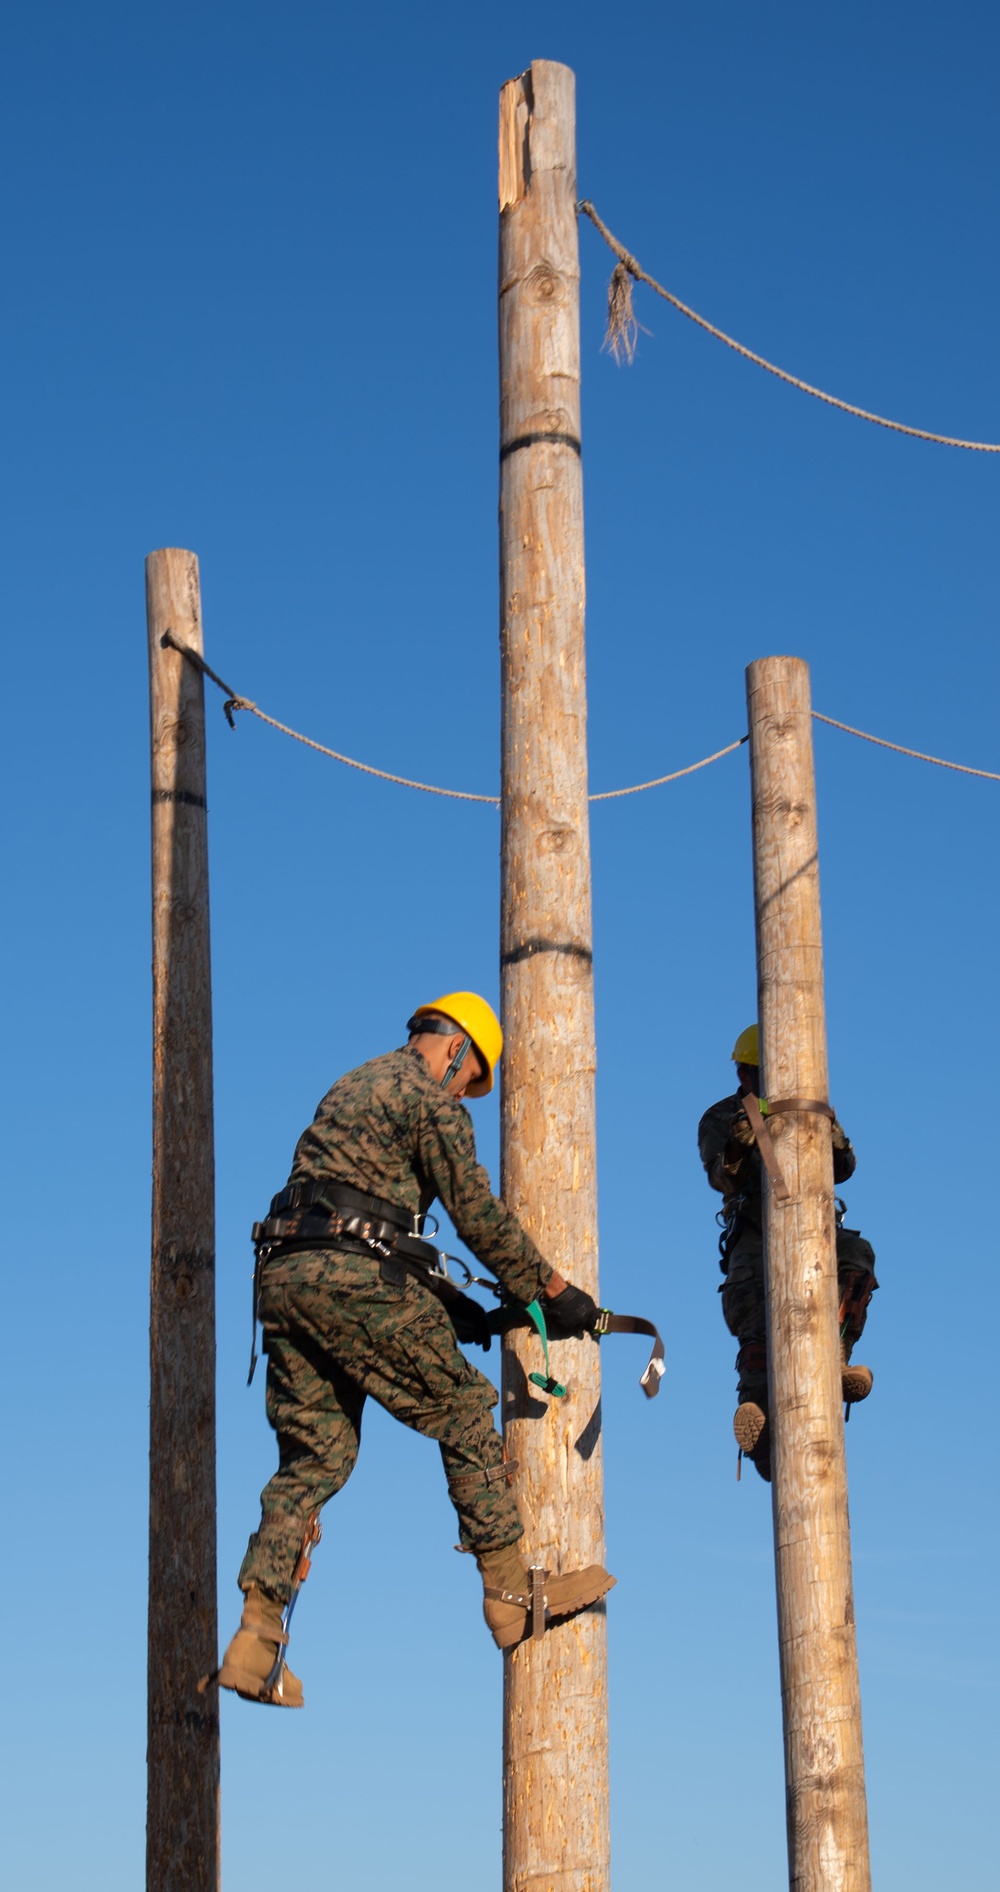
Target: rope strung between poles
(236,702)
(623,329)
(612,794)
(918,755)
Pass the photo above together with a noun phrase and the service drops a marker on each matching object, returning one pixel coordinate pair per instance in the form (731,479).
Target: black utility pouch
(393,1271)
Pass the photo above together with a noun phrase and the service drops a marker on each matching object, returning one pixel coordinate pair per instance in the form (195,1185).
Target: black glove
(470,1321)
(569,1314)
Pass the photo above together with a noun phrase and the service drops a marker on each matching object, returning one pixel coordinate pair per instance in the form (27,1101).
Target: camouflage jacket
(732,1163)
(389,1130)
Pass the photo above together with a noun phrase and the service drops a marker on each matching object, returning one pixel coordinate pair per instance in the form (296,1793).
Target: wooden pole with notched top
(182,1832)
(556,1829)
(821,1703)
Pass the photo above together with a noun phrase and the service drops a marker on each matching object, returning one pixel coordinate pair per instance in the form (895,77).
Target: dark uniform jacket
(389,1130)
(728,1149)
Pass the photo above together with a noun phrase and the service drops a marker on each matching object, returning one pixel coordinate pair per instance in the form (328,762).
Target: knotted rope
(623,329)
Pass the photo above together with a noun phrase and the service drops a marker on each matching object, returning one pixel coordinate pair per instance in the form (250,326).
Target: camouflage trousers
(335,1332)
(744,1308)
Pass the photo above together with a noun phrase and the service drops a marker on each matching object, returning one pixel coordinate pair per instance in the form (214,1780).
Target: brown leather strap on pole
(538,1576)
(767,1150)
(786,1105)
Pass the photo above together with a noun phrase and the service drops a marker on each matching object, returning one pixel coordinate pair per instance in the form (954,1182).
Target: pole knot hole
(544,284)
(557,840)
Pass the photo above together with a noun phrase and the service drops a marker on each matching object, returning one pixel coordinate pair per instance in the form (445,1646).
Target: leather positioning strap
(608,1323)
(503,1319)
(768,1154)
(783,1106)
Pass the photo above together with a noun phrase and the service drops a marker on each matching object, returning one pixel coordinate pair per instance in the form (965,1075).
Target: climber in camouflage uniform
(345,1317)
(727,1146)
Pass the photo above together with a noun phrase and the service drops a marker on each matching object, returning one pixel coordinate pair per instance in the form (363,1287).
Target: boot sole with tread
(749,1425)
(856,1383)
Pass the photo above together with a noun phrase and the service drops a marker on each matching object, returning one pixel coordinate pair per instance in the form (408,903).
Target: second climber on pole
(728,1146)
(347,1316)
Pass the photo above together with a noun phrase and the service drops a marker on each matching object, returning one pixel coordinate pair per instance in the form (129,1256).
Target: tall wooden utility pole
(821,1702)
(556,1836)
(182,1834)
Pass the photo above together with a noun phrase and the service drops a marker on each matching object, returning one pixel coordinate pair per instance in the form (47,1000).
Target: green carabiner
(544,1380)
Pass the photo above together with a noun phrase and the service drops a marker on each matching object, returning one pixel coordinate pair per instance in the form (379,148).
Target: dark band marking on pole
(532,440)
(182,795)
(533,946)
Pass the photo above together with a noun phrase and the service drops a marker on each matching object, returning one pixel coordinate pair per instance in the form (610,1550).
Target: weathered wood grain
(556,1829)
(182,1834)
(824,1766)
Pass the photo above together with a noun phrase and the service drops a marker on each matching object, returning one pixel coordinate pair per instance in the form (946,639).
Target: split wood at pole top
(556,1828)
(821,1702)
(182,1832)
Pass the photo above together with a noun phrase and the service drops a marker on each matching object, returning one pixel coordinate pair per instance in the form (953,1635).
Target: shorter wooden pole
(821,1702)
(182,1832)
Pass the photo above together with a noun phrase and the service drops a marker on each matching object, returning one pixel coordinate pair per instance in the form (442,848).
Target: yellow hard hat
(746,1050)
(482,1025)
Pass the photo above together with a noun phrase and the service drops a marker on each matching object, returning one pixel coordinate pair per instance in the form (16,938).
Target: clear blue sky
(250,309)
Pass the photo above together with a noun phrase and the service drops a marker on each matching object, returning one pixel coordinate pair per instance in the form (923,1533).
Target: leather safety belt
(381,1226)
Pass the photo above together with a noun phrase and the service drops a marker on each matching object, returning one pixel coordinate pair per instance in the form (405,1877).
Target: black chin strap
(457,1061)
(444,1028)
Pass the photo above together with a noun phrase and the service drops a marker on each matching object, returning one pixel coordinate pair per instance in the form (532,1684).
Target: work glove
(742,1132)
(470,1321)
(569,1314)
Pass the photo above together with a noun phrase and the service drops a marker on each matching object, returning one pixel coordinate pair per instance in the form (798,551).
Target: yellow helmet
(480,1022)
(746,1050)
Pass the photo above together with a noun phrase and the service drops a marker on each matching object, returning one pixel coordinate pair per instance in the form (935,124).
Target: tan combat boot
(507,1593)
(251,1656)
(753,1436)
(856,1383)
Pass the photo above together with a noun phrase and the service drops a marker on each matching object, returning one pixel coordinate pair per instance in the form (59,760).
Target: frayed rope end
(623,328)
